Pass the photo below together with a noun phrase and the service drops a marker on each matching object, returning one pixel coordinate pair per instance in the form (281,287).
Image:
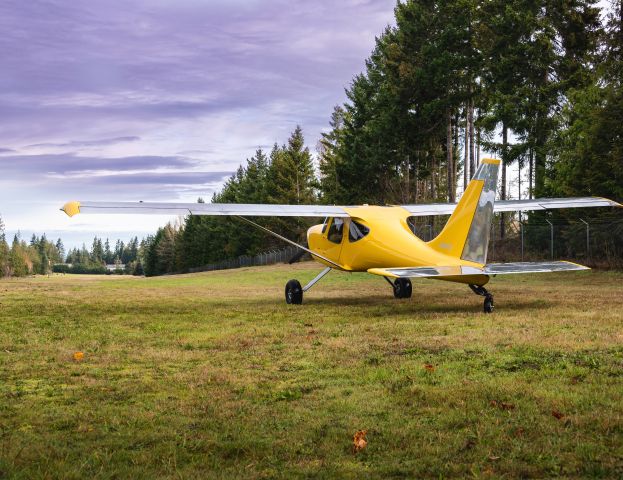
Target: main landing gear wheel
(294,293)
(488,307)
(402,288)
(482,291)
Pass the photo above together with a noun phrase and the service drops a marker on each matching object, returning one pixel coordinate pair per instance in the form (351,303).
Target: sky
(160,100)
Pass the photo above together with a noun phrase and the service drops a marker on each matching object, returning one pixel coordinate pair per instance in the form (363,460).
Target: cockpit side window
(336,230)
(356,231)
(324,224)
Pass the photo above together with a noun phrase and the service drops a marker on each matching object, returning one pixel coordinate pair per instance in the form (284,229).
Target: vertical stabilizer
(466,235)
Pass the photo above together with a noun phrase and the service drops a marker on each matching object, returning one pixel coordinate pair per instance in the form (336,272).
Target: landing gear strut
(482,291)
(402,287)
(294,291)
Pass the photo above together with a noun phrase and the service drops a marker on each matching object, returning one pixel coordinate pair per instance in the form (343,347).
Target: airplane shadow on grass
(433,304)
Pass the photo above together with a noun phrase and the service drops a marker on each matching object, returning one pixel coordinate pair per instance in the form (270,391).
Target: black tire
(402,288)
(488,306)
(294,293)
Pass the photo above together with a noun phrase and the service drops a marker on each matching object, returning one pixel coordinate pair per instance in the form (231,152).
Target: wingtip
(612,202)
(71,208)
(578,265)
(491,161)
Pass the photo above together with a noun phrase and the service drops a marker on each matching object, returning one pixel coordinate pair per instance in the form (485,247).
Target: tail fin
(466,235)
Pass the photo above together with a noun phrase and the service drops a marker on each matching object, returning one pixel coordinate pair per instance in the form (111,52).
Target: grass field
(213,376)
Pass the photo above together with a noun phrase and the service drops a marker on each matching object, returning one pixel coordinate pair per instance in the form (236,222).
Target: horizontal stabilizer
(426,272)
(532,267)
(490,269)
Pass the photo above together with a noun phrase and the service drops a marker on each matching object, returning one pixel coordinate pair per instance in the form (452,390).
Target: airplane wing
(490,269)
(260,210)
(423,210)
(219,209)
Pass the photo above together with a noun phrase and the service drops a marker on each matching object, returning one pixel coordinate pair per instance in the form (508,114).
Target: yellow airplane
(379,240)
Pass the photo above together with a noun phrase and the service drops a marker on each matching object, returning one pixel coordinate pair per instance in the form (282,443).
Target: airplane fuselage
(379,237)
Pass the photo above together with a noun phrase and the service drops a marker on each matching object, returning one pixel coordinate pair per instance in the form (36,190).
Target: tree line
(127,258)
(23,258)
(43,256)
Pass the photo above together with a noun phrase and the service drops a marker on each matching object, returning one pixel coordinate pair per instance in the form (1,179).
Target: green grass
(213,376)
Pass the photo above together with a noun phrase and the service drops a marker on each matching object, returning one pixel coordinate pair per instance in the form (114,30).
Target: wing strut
(289,241)
(316,279)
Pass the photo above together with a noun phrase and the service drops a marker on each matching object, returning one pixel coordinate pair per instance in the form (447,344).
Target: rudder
(466,234)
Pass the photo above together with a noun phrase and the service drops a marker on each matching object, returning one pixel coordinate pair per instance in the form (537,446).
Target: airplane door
(334,238)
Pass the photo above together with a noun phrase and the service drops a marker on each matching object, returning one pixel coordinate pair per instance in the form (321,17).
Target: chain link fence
(272,257)
(592,243)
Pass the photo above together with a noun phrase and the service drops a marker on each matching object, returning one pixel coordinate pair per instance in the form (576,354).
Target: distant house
(115,266)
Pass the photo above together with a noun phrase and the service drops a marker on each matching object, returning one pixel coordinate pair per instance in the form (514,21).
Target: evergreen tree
(292,172)
(118,252)
(18,258)
(330,159)
(4,252)
(108,255)
(60,248)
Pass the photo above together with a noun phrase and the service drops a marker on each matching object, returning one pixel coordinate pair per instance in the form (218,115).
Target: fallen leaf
(519,432)
(78,356)
(429,367)
(469,444)
(557,415)
(503,405)
(359,440)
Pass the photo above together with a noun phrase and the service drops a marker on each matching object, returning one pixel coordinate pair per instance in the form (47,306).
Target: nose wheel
(294,293)
(482,291)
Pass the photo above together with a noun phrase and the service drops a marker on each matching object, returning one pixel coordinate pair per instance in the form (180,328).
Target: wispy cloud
(86,143)
(38,166)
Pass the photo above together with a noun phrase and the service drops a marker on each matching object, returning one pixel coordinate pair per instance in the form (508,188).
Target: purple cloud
(36,166)
(120,59)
